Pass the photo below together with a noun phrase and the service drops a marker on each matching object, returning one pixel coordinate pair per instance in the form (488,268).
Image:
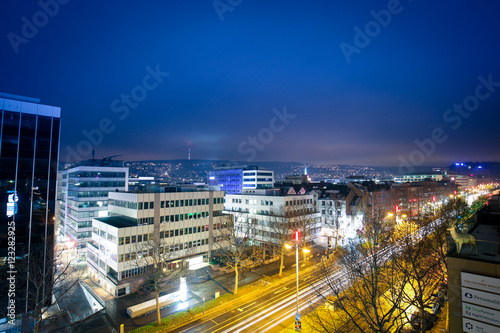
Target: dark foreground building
(29,146)
(474,275)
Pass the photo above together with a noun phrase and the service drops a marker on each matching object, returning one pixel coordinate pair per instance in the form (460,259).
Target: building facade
(418,178)
(183,223)
(29,147)
(84,195)
(235,179)
(260,208)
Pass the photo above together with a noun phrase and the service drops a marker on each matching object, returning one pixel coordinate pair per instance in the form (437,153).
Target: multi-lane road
(275,309)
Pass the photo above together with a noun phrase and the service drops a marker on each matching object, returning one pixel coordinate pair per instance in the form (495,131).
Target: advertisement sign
(481,298)
(473,326)
(481,282)
(481,313)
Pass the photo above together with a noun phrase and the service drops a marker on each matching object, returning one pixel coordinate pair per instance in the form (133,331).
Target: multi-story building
(257,179)
(29,146)
(182,222)
(474,274)
(418,178)
(260,208)
(84,195)
(464,181)
(342,209)
(234,179)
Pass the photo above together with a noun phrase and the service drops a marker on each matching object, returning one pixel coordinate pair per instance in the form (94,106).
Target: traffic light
(296,236)
(397,208)
(433,198)
(298,326)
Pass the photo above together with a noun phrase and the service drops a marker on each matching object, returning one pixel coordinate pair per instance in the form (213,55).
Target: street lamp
(297,314)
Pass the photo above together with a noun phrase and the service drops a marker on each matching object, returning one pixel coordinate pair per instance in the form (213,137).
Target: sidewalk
(200,285)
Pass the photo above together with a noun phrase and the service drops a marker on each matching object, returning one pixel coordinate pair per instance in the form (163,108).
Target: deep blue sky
(226,77)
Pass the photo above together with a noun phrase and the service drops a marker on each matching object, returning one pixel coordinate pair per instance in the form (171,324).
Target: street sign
(298,326)
(481,298)
(472,326)
(297,316)
(481,282)
(486,315)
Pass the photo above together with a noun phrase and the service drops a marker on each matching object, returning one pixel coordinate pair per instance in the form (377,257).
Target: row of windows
(258,179)
(123,203)
(162,250)
(179,203)
(88,194)
(97,174)
(133,272)
(183,217)
(77,214)
(146,221)
(104,234)
(298,202)
(330,203)
(165,234)
(87,204)
(254,202)
(99,184)
(184,203)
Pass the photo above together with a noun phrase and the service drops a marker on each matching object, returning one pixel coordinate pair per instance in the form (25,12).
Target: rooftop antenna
(93,154)
(189,150)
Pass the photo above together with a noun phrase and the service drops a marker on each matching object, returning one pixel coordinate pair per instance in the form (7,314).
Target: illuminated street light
(296,237)
(306,251)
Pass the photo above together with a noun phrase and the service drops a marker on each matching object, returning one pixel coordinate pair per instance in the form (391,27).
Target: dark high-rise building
(29,146)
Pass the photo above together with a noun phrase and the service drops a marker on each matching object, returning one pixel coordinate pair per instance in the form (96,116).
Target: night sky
(347,82)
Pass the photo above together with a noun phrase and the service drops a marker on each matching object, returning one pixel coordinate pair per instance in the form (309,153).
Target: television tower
(189,150)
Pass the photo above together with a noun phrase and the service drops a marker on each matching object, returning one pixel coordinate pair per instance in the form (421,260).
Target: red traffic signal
(433,198)
(296,236)
(397,208)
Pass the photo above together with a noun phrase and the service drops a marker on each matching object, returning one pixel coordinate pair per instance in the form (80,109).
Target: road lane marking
(281,290)
(241,309)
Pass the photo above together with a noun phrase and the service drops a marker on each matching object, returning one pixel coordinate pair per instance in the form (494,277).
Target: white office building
(257,208)
(182,222)
(258,179)
(84,195)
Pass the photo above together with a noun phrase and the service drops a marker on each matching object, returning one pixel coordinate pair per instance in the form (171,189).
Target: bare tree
(233,243)
(47,284)
(332,220)
(369,290)
(282,227)
(453,211)
(421,268)
(152,259)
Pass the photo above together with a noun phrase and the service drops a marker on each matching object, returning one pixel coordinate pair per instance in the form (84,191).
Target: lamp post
(297,314)
(296,237)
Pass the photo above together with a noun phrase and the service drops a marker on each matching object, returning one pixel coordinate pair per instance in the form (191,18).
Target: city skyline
(376,83)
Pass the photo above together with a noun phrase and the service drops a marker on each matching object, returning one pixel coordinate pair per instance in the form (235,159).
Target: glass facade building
(232,180)
(29,146)
(84,196)
(229,180)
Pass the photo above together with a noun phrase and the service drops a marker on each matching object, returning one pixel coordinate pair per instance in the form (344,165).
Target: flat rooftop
(118,221)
